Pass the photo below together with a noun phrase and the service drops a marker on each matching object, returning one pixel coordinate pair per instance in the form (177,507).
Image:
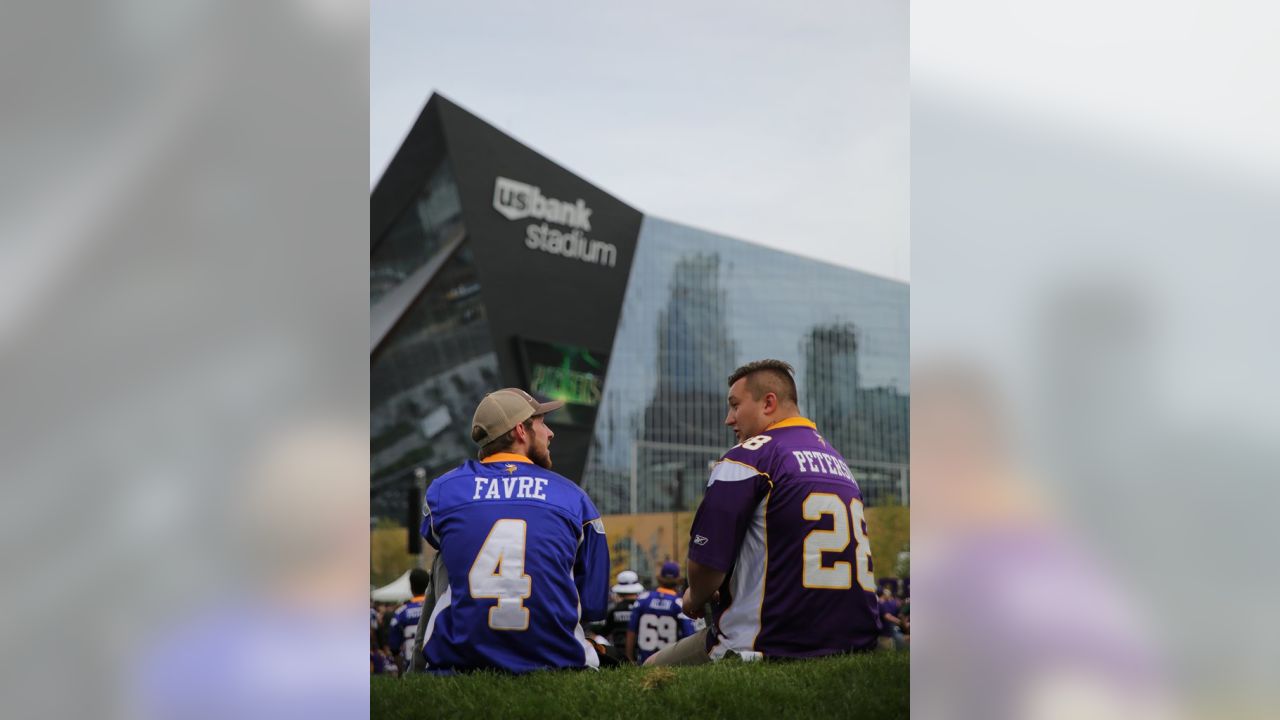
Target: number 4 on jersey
(498,572)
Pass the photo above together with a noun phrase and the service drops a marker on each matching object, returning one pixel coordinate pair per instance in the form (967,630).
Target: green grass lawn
(853,686)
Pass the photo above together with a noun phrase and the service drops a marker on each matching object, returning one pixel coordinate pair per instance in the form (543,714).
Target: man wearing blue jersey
(404,622)
(523,549)
(657,618)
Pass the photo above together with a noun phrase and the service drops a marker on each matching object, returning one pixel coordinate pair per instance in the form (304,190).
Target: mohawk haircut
(768,376)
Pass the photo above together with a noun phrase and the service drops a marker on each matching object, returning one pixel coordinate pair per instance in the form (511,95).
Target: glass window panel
(698,305)
(414,238)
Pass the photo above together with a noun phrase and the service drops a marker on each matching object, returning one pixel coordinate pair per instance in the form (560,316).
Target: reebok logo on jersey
(699,540)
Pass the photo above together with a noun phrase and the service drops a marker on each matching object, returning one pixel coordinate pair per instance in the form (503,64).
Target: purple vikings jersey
(783,516)
(527,561)
(658,620)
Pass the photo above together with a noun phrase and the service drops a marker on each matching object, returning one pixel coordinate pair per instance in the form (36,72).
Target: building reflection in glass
(700,304)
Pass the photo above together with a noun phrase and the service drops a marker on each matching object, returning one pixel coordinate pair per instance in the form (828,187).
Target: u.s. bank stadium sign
(515,200)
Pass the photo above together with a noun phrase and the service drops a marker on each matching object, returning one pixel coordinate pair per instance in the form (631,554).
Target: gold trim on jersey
(793,422)
(506,457)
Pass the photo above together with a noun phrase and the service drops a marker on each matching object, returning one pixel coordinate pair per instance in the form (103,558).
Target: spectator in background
(404,621)
(384,627)
(618,618)
(905,614)
(890,623)
(657,619)
(380,661)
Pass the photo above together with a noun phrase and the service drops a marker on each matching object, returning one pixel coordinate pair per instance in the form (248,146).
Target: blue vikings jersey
(658,620)
(527,560)
(404,625)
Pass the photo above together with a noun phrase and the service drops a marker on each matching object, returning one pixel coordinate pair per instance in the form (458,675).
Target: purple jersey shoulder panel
(733,493)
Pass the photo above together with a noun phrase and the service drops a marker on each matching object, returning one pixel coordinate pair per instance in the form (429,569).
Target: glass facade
(415,237)
(699,305)
(645,413)
(437,362)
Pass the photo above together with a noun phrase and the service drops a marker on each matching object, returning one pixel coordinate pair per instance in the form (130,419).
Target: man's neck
(519,448)
(782,416)
(514,453)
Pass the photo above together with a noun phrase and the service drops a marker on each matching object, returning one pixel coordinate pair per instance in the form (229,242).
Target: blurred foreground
(184,312)
(1094,218)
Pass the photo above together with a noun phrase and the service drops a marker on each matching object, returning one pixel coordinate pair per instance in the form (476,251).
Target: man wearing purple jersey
(779,544)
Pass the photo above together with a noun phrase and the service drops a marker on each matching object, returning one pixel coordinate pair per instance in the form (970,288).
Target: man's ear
(770,402)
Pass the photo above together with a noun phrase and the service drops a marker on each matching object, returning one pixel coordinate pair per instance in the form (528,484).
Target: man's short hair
(418,580)
(500,443)
(768,376)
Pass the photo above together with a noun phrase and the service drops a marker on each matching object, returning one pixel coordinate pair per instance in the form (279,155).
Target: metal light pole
(635,470)
(676,503)
(420,482)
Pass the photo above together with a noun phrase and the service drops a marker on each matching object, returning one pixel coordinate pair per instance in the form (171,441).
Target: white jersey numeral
(838,576)
(656,632)
(862,549)
(498,572)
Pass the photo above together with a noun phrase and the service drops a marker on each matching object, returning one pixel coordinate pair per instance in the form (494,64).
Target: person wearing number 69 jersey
(779,544)
(523,548)
(657,618)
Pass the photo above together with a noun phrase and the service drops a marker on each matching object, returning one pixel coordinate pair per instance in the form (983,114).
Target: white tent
(395,591)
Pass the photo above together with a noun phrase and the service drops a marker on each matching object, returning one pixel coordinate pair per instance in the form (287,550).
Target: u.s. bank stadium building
(492,266)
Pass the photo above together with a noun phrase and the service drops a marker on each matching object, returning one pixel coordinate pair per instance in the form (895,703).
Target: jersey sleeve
(591,566)
(734,491)
(636,610)
(686,625)
(427,530)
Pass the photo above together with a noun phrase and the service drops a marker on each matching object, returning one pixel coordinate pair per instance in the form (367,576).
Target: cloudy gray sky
(745,118)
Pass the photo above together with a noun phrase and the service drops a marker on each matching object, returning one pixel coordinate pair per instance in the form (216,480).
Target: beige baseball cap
(504,409)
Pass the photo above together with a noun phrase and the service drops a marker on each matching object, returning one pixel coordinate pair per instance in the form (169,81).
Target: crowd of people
(638,623)
(895,620)
(392,628)
(779,565)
